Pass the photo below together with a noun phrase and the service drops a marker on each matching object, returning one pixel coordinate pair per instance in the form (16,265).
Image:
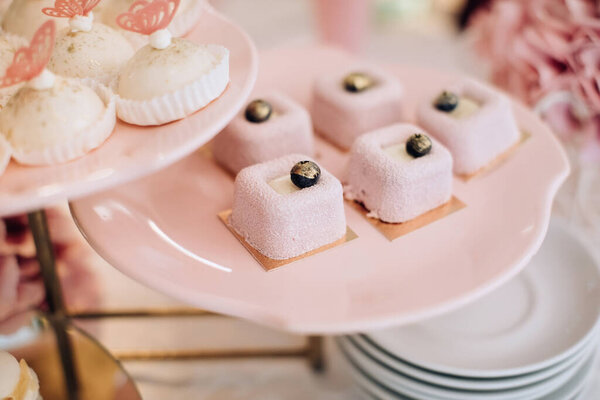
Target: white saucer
(413,388)
(378,391)
(466,383)
(537,320)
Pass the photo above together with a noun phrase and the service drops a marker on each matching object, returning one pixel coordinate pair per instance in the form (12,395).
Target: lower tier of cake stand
(163,230)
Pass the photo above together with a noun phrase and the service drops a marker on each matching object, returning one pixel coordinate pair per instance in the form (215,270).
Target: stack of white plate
(533,338)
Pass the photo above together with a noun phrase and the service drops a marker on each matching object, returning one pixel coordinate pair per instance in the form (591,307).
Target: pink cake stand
(132,152)
(163,230)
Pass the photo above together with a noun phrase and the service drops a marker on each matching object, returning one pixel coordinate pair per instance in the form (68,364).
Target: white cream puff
(86,49)
(24,17)
(98,53)
(155,72)
(8,46)
(185,18)
(17,380)
(35,120)
(52,119)
(167,79)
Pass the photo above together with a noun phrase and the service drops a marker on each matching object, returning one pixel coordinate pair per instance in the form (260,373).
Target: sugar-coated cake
(269,127)
(17,380)
(473,121)
(349,103)
(398,173)
(287,207)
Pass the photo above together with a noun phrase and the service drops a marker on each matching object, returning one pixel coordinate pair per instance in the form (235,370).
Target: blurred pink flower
(21,286)
(547,52)
(16,294)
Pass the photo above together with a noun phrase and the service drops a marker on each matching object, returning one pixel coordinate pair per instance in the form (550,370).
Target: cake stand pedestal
(54,298)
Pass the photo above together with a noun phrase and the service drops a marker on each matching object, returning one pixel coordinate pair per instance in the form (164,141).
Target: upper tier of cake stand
(158,229)
(131,151)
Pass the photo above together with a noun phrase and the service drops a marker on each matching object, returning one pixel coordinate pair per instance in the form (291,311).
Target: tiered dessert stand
(163,230)
(131,152)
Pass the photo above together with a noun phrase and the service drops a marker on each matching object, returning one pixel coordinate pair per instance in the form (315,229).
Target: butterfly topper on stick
(29,62)
(79,13)
(150,17)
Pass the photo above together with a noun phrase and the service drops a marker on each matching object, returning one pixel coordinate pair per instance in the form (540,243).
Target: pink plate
(131,151)
(157,229)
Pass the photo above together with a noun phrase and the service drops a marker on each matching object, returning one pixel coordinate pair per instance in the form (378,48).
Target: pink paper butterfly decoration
(30,61)
(147,17)
(70,8)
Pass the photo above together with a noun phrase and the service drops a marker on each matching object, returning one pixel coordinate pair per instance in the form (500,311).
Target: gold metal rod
(316,357)
(141,313)
(168,355)
(45,255)
(65,350)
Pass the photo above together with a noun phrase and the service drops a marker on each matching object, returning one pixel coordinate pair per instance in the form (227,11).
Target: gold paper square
(393,231)
(498,160)
(270,264)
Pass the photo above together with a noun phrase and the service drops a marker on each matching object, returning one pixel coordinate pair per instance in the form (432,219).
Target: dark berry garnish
(418,145)
(447,101)
(258,111)
(357,82)
(305,174)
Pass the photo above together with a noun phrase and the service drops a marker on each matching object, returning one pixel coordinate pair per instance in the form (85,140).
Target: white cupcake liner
(5,153)
(69,150)
(180,103)
(185,20)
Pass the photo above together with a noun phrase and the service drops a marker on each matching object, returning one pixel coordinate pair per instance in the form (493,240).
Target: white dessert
(283,185)
(34,120)
(98,54)
(465,108)
(8,47)
(398,152)
(17,380)
(10,374)
(154,72)
(7,52)
(107,11)
(24,17)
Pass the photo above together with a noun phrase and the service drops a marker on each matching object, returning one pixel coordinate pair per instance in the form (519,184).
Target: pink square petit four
(347,104)
(282,220)
(473,121)
(395,182)
(269,128)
